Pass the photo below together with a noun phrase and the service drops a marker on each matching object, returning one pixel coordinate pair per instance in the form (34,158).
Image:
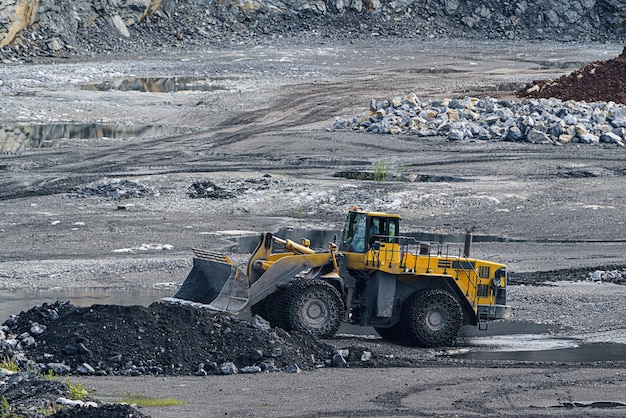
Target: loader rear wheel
(314,306)
(432,318)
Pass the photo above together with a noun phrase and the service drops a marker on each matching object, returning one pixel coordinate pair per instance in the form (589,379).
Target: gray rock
(338,360)
(259,323)
(570,120)
(293,368)
(538,137)
(256,355)
(115,359)
(250,369)
(85,369)
(514,134)
(456,135)
(276,352)
(586,138)
(9,344)
(619,122)
(82,349)
(227,368)
(59,369)
(610,138)
(70,350)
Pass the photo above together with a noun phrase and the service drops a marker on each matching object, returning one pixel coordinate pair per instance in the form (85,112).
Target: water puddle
(527,341)
(591,404)
(433,70)
(160,84)
(16,301)
(543,348)
(560,65)
(14,139)
(386,176)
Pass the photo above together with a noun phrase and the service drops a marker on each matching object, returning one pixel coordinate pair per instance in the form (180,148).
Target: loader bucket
(216,282)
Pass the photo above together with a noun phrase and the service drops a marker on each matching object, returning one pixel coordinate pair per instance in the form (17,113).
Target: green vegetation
(381,171)
(78,391)
(49,408)
(8,364)
(298,213)
(147,401)
(5,408)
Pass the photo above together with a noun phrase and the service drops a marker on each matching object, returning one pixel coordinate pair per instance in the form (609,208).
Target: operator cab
(366,230)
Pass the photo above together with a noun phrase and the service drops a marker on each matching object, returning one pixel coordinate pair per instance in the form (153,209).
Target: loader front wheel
(395,333)
(316,308)
(268,309)
(432,318)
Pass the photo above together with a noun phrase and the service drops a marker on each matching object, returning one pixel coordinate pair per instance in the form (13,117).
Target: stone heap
(541,121)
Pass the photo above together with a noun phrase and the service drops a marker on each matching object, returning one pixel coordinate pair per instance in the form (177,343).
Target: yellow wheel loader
(419,292)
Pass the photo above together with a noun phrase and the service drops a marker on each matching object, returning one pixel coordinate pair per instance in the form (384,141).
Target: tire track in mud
(485,394)
(174,154)
(209,150)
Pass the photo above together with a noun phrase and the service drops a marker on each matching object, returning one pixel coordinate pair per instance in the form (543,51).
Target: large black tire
(395,333)
(268,309)
(313,306)
(432,318)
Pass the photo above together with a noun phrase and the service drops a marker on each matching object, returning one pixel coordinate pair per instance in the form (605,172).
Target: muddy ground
(263,136)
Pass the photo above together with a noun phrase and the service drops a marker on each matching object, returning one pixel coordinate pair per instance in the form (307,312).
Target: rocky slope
(31,28)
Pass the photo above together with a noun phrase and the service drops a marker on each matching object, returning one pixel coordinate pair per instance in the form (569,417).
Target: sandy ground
(266,134)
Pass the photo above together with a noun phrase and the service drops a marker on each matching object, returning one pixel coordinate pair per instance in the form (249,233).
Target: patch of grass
(5,408)
(78,391)
(298,213)
(49,375)
(147,401)
(381,171)
(8,364)
(48,408)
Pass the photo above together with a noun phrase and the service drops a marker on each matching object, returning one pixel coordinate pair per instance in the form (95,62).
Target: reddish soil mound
(598,81)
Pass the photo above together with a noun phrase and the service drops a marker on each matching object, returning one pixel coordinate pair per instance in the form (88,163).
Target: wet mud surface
(117,212)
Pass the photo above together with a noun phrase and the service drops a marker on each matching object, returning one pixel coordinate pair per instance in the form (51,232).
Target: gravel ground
(267,140)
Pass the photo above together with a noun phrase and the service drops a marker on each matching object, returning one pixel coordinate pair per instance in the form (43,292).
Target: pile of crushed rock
(29,394)
(598,81)
(541,121)
(587,107)
(162,339)
(114,189)
(611,276)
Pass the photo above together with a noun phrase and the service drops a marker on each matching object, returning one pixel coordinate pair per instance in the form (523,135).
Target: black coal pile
(208,189)
(114,189)
(28,394)
(162,339)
